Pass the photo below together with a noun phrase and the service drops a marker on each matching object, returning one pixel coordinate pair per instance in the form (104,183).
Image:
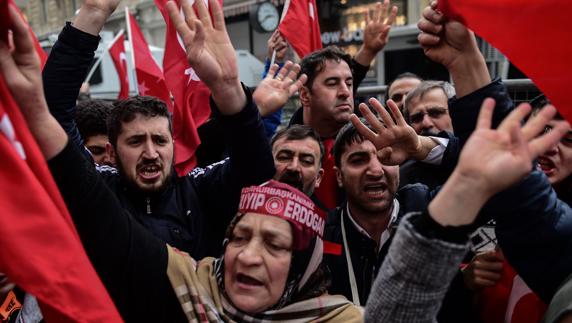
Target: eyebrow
(266,232)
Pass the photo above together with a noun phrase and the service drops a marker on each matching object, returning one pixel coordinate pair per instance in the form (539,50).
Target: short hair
(299,132)
(315,62)
(540,102)
(406,75)
(347,136)
(91,117)
(422,89)
(128,109)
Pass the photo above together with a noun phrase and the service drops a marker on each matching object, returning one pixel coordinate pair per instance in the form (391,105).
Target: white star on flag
(142,88)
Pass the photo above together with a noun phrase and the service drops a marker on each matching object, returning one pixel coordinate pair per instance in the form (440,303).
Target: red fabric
(190,94)
(301,27)
(117,53)
(494,303)
(532,34)
(327,193)
(332,248)
(150,79)
(41,251)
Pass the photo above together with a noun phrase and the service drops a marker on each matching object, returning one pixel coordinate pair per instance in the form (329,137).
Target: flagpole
(130,34)
(100,58)
(284,11)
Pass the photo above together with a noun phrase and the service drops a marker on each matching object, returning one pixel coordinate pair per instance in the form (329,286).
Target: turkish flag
(150,79)
(117,53)
(300,26)
(41,250)
(534,35)
(190,94)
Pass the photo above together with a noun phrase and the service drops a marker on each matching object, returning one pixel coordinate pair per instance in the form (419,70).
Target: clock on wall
(264,17)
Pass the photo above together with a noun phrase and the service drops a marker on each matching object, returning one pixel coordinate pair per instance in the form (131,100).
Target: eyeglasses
(397,97)
(433,113)
(566,140)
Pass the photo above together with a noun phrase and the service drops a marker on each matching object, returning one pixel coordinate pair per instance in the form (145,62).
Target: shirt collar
(386,234)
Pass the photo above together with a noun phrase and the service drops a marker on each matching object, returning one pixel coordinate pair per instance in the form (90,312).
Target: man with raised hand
(190,212)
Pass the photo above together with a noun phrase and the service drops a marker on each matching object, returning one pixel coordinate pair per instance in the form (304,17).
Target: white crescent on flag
(8,129)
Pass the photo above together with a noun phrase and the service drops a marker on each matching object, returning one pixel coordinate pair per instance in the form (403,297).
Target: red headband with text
(283,201)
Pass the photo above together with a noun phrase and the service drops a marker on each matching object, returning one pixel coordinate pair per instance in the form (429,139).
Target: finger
(190,16)
(488,275)
(515,116)
(543,143)
(486,114)
(377,11)
(272,71)
(433,15)
(427,26)
(203,12)
(218,16)
(181,26)
(283,71)
(392,16)
(383,114)
(426,39)
(396,113)
(362,128)
(384,11)
(484,282)
(293,74)
(384,154)
(493,266)
(296,86)
(23,42)
(371,118)
(490,255)
(536,123)
(199,36)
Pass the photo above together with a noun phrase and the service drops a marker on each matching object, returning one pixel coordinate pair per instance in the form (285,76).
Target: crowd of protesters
(349,213)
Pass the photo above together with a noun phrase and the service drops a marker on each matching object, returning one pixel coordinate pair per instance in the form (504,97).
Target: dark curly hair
(91,117)
(128,109)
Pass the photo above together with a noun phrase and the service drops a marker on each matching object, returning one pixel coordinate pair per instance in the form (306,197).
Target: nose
(150,151)
(293,164)
(251,255)
(427,122)
(344,90)
(375,168)
(552,151)
(106,160)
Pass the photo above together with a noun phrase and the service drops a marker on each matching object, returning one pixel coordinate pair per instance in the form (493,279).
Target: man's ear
(319,177)
(305,96)
(338,176)
(110,151)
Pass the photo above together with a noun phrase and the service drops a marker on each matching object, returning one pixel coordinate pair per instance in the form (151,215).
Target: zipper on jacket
(148,205)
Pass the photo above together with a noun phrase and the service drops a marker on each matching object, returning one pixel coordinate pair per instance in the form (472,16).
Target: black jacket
(193,211)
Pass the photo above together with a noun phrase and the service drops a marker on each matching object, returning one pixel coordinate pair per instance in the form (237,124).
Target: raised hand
(210,52)
(451,44)
(394,139)
(20,69)
(93,14)
(501,157)
(277,43)
(275,90)
(376,32)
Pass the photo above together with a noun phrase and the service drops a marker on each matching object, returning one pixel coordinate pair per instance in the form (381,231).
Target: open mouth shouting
(149,172)
(546,165)
(247,282)
(375,190)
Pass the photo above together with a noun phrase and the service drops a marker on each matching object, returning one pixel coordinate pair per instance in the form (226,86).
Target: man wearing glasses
(426,108)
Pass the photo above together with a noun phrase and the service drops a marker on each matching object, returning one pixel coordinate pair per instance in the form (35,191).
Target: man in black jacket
(191,212)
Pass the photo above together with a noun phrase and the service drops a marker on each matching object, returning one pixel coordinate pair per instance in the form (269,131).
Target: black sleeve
(64,72)
(358,72)
(130,261)
(250,163)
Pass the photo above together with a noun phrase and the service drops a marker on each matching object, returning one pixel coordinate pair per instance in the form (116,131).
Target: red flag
(41,251)
(532,34)
(150,79)
(300,26)
(117,53)
(190,94)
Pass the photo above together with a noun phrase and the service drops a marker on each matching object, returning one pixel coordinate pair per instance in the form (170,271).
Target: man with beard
(426,108)
(297,153)
(191,212)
